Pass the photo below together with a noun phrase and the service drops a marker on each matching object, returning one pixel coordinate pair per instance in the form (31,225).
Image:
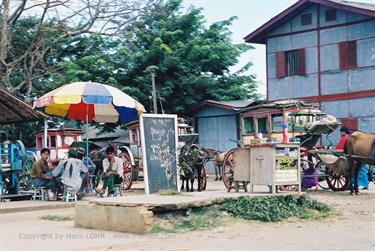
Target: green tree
(192,60)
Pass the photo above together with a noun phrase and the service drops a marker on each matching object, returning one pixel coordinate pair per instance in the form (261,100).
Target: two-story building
(323,51)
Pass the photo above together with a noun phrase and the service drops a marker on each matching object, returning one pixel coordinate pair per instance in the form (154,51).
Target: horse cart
(304,125)
(192,161)
(130,151)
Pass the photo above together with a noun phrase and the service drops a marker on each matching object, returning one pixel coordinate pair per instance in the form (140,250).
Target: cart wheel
(203,179)
(127,171)
(26,170)
(320,169)
(337,182)
(228,166)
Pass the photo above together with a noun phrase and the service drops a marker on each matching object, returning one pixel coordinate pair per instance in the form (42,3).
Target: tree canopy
(191,60)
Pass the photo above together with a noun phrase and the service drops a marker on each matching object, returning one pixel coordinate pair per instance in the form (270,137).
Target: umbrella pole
(87,132)
(45,144)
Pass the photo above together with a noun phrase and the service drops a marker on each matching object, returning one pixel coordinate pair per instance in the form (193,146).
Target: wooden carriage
(58,141)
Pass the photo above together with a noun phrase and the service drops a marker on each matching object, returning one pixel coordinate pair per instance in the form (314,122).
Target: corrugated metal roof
(367,6)
(233,105)
(14,110)
(281,104)
(259,35)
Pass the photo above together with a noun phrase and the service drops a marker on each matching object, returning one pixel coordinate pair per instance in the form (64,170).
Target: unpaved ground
(352,227)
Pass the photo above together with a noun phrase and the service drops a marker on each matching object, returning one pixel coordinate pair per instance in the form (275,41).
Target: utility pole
(154,93)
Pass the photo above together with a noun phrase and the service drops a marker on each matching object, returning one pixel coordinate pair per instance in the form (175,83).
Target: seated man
(71,170)
(41,173)
(112,172)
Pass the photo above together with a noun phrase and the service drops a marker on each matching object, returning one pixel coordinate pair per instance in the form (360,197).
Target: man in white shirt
(71,170)
(112,172)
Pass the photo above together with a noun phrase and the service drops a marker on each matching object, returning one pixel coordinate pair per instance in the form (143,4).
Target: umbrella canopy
(90,101)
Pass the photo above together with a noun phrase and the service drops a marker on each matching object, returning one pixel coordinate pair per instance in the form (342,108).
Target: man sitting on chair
(41,173)
(112,172)
(72,171)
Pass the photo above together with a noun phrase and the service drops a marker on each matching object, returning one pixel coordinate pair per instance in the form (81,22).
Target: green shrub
(274,208)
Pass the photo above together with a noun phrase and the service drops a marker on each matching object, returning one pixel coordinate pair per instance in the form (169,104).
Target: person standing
(344,133)
(41,173)
(112,172)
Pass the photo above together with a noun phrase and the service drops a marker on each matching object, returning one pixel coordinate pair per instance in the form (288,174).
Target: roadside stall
(14,159)
(91,101)
(276,138)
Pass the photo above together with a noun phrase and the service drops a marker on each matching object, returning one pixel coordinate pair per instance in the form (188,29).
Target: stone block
(114,218)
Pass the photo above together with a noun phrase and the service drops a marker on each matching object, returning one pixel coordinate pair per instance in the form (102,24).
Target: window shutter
(352,54)
(280,64)
(343,49)
(301,62)
(348,55)
(350,123)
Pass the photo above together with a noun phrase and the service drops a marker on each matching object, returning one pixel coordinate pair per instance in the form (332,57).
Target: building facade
(218,124)
(323,51)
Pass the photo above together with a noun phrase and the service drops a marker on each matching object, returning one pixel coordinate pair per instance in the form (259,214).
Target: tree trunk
(4,40)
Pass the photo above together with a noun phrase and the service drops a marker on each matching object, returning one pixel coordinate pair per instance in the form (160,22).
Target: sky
(251,15)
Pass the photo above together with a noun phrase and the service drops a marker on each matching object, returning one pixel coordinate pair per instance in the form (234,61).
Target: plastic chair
(69,194)
(118,191)
(40,193)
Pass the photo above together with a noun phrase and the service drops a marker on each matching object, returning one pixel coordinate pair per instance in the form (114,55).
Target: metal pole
(154,93)
(87,132)
(45,132)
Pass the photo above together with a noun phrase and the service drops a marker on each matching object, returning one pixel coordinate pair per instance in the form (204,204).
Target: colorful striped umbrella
(89,101)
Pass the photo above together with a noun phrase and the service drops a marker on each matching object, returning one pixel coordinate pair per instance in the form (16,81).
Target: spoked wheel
(321,168)
(127,170)
(228,169)
(337,182)
(26,170)
(203,179)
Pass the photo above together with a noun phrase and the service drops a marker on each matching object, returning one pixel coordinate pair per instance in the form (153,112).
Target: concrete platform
(132,198)
(135,214)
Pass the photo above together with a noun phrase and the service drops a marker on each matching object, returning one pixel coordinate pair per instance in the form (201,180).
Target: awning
(14,110)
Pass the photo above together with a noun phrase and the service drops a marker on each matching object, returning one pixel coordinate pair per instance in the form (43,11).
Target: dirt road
(351,228)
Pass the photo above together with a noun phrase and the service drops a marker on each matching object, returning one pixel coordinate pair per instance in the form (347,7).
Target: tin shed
(218,124)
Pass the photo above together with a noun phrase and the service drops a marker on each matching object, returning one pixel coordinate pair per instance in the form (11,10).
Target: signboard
(286,165)
(159,148)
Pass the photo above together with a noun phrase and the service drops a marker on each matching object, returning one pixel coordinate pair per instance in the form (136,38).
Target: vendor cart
(289,121)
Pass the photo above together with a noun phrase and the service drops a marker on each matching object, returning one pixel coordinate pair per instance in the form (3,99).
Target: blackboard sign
(159,148)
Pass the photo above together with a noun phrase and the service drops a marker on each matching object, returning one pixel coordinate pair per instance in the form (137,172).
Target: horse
(191,160)
(360,148)
(217,158)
